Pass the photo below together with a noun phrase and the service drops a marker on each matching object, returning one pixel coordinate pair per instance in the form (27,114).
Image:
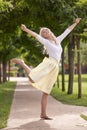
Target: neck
(52,39)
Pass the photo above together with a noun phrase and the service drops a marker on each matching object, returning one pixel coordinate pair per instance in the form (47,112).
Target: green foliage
(5,6)
(10,20)
(54,14)
(31,50)
(81,10)
(48,13)
(6,96)
(13,18)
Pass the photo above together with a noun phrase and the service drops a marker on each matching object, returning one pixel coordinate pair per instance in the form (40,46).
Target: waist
(54,59)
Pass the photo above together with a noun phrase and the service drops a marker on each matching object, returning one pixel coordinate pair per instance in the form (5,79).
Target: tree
(82,5)
(78,30)
(10,18)
(40,13)
(79,66)
(71,47)
(63,78)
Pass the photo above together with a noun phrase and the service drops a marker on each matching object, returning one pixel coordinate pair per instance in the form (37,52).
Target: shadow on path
(34,125)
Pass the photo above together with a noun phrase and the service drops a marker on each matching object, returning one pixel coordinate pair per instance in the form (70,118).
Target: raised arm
(34,34)
(24,28)
(68,30)
(74,24)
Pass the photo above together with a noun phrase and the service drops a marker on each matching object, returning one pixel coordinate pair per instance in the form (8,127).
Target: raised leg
(22,64)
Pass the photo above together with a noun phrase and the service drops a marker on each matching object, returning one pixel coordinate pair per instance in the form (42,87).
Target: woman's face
(45,33)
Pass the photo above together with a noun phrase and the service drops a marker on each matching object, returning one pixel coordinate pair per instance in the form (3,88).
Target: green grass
(6,96)
(84,117)
(71,99)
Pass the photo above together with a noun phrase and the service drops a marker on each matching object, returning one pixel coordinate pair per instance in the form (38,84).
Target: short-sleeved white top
(54,50)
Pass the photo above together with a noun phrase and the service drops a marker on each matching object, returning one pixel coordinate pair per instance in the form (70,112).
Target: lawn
(71,99)
(6,96)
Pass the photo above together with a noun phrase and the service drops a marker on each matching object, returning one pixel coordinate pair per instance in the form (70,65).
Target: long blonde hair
(52,37)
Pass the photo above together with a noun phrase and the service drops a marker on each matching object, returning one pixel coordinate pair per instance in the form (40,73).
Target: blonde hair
(52,36)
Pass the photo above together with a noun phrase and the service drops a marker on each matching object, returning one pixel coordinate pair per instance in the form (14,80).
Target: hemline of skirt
(38,88)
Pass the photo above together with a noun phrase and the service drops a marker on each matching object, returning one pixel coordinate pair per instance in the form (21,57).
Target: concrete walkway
(25,111)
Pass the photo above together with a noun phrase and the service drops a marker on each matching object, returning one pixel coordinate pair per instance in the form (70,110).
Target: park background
(56,15)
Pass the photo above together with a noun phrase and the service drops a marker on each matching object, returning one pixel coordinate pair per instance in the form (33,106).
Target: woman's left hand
(77,20)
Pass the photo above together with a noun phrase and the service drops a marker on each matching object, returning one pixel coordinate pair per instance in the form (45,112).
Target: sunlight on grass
(84,117)
(6,96)
(71,99)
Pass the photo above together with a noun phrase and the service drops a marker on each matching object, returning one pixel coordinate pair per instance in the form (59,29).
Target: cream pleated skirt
(45,74)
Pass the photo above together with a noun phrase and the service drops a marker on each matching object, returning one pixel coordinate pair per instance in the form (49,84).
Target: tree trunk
(8,70)
(58,81)
(71,48)
(63,80)
(0,73)
(4,72)
(79,67)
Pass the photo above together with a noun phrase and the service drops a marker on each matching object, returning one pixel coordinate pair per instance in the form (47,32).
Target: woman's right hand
(23,27)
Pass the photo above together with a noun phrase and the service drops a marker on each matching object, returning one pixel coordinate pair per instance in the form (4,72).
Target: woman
(45,74)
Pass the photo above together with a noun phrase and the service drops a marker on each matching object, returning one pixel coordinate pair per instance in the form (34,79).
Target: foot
(17,61)
(46,118)
(22,64)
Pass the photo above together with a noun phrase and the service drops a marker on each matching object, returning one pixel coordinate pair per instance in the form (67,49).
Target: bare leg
(44,106)
(22,64)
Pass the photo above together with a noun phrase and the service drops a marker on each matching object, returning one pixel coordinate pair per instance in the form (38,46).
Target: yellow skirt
(45,74)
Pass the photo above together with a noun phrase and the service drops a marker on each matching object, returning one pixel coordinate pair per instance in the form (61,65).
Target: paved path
(25,111)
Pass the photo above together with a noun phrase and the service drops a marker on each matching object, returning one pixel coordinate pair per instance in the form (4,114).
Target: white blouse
(54,50)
